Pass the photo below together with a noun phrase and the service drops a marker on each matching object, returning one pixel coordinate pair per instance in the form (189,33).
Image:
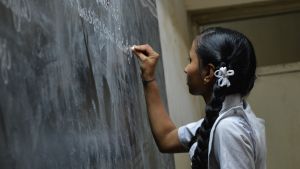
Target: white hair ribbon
(222,74)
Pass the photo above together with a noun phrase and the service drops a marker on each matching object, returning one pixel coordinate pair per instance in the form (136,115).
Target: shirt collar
(231,101)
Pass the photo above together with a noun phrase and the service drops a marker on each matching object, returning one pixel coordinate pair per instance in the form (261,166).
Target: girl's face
(195,74)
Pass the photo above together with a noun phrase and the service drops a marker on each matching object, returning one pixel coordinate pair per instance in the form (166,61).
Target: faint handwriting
(5,60)
(113,35)
(20,9)
(90,17)
(151,6)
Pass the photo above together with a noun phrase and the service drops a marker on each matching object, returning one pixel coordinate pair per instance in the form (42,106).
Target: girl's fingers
(145,49)
(140,55)
(144,52)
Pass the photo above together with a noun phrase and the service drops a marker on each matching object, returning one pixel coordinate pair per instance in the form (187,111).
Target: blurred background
(273,26)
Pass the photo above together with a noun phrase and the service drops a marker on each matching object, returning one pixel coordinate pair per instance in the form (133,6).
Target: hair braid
(212,109)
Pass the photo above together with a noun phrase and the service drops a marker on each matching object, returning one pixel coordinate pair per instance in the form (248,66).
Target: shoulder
(234,134)
(233,145)
(231,127)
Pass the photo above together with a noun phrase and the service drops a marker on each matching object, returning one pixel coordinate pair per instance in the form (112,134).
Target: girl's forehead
(195,41)
(193,48)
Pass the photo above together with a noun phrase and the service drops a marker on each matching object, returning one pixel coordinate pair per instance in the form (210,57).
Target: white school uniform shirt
(237,138)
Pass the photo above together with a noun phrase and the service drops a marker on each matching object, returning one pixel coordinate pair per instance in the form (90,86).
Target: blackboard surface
(71,95)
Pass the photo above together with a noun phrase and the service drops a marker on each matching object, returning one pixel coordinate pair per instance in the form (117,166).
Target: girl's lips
(187,80)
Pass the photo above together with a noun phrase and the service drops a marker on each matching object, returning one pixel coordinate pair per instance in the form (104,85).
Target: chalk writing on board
(5,60)
(91,17)
(67,89)
(105,3)
(20,9)
(115,11)
(100,28)
(150,4)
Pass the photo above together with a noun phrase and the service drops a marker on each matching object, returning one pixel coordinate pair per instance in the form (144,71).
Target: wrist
(146,82)
(147,77)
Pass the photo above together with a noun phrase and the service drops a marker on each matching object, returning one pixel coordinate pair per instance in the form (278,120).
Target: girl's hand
(148,60)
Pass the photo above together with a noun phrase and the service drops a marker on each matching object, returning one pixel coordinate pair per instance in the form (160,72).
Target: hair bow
(223,75)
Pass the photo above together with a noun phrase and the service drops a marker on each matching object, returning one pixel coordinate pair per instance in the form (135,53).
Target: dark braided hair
(222,47)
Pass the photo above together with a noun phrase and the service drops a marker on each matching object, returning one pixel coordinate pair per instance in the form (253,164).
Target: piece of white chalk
(133,47)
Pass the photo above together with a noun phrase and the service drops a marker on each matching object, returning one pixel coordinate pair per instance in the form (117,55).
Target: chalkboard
(71,94)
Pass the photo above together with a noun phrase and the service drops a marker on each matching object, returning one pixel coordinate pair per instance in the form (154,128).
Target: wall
(275,38)
(275,98)
(205,4)
(175,43)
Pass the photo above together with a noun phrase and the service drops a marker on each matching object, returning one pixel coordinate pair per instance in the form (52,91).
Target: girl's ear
(209,75)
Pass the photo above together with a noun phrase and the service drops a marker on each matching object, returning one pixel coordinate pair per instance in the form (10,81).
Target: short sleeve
(186,132)
(232,144)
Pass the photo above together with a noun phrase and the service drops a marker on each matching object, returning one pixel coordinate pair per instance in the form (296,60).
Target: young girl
(222,70)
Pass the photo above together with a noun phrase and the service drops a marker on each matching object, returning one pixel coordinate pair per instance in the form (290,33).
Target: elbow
(160,144)
(167,143)
(163,148)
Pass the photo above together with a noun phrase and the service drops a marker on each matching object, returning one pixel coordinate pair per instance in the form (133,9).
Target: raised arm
(163,129)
